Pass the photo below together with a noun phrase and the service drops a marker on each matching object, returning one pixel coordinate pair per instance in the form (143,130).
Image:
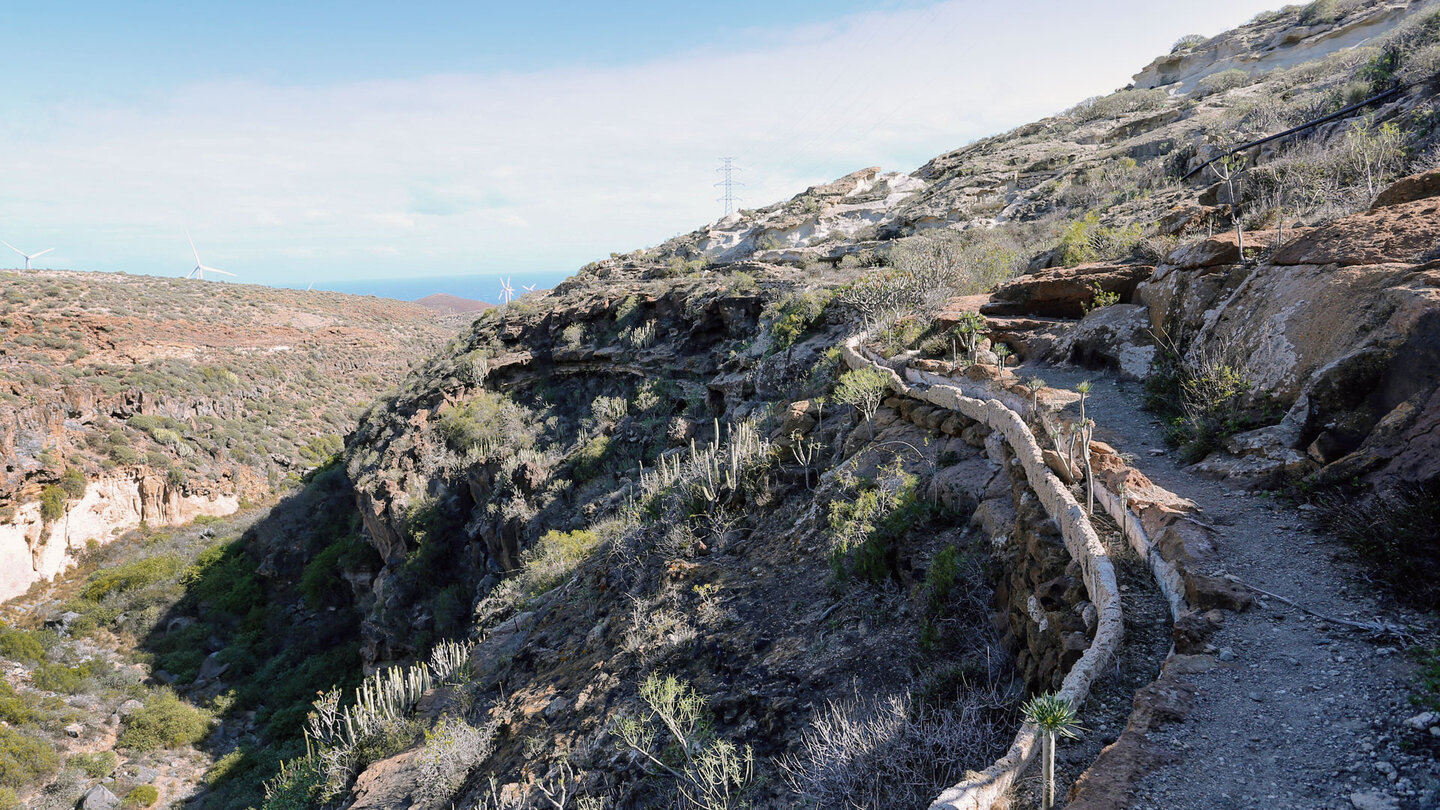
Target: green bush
(590,458)
(1086,240)
(24,760)
(164,722)
(52,503)
(9,800)
(794,314)
(60,678)
(142,796)
(15,709)
(1222,81)
(131,576)
(552,558)
(1319,12)
(321,580)
(22,645)
(72,481)
(97,765)
(224,578)
(1117,104)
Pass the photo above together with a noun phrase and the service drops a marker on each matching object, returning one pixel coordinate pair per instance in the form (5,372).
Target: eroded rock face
(1405,232)
(1341,329)
(1115,337)
(1065,292)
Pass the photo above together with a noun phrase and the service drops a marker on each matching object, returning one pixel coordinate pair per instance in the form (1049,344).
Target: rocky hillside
(780,513)
(134,399)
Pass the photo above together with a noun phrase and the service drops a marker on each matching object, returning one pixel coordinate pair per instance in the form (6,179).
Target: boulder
(1116,337)
(1409,189)
(1064,292)
(99,798)
(1403,232)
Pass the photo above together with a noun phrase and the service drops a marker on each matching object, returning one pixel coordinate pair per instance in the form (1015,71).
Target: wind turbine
(506,291)
(200,268)
(528,287)
(28,256)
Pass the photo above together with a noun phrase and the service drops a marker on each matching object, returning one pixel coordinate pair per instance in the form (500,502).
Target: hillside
(447,304)
(137,399)
(806,508)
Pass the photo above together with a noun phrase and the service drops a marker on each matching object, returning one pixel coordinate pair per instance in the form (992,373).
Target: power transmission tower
(728,168)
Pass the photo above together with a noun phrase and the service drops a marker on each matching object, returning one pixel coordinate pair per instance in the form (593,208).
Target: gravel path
(1297,713)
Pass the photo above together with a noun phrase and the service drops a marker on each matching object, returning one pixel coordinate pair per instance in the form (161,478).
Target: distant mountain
(447,304)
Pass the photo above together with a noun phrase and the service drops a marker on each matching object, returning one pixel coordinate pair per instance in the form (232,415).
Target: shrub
(863,388)
(1187,42)
(1222,81)
(1086,240)
(590,458)
(711,774)
(23,759)
(1117,104)
(1393,530)
(794,314)
(97,765)
(892,752)
(1318,12)
(452,749)
(60,678)
(72,481)
(131,576)
(552,558)
(142,796)
(224,577)
(21,645)
(164,722)
(52,503)
(486,424)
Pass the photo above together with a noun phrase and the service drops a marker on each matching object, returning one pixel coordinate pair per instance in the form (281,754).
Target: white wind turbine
(28,256)
(528,287)
(200,268)
(506,291)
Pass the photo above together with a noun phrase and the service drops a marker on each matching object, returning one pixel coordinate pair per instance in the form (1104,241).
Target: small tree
(1228,172)
(1054,717)
(712,773)
(1083,389)
(1002,351)
(52,503)
(865,389)
(1035,384)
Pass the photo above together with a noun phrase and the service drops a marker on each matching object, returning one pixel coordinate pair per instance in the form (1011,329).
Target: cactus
(1083,389)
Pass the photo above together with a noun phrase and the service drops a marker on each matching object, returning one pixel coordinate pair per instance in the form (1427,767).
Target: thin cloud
(546,170)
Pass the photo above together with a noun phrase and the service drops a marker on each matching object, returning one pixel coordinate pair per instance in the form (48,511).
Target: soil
(1295,712)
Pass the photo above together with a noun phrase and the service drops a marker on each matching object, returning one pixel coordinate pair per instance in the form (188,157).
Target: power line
(728,167)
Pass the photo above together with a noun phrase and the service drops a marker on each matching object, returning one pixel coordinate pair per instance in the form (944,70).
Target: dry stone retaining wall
(981,791)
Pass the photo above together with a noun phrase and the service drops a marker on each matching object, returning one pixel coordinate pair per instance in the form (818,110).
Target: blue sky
(317,141)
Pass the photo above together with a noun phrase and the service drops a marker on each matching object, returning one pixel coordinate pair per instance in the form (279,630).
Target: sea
(477,287)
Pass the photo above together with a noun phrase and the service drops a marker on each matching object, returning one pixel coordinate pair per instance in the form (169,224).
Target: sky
(336,142)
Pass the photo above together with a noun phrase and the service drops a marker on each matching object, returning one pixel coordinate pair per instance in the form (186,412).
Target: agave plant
(1054,717)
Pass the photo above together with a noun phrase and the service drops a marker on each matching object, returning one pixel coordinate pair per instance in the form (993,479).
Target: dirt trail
(1297,713)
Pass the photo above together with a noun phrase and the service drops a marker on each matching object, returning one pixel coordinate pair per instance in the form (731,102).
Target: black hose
(1291,131)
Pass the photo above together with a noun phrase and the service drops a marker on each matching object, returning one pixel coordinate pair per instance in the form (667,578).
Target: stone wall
(1080,538)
